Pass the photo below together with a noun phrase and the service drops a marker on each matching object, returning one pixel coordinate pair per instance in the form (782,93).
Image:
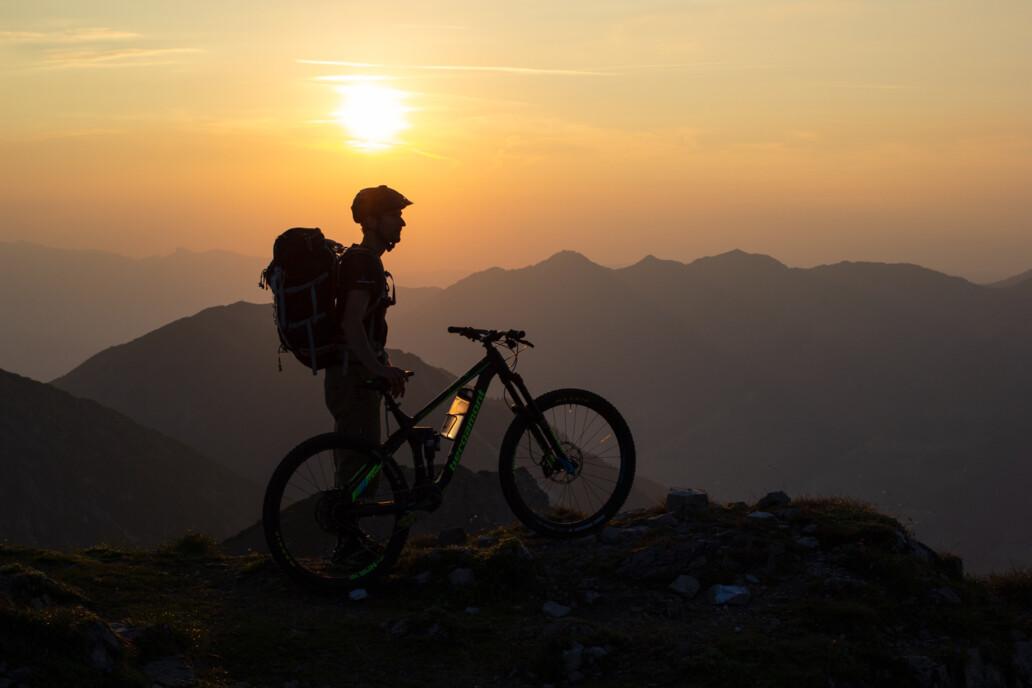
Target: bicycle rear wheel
(598,444)
(316,532)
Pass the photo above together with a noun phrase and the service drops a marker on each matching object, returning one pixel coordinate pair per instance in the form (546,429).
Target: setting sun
(373,116)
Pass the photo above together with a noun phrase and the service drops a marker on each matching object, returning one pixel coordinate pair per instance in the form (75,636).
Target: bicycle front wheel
(582,496)
(317,532)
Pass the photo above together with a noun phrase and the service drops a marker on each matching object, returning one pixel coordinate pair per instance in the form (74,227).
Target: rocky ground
(814,592)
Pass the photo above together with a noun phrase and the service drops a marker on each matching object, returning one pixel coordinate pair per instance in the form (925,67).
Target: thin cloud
(877,87)
(609,71)
(355,78)
(465,68)
(70,36)
(129,57)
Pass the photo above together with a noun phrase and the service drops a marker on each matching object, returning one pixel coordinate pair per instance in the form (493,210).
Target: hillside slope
(213,381)
(74,473)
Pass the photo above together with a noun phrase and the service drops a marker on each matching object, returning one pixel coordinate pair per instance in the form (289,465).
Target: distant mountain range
(890,383)
(76,474)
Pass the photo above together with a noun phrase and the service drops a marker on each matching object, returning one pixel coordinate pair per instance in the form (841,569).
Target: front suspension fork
(555,458)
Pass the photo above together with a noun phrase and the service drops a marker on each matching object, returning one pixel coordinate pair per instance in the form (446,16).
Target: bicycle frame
(417,437)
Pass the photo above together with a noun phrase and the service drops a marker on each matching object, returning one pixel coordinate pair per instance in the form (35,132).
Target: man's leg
(356,411)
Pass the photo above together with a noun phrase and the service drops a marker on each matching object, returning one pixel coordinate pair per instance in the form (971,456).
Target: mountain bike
(566,466)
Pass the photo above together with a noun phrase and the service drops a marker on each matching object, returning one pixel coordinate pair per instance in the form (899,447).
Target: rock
(774,499)
(728,594)
(610,535)
(422,578)
(928,672)
(810,529)
(686,586)
(358,594)
(171,672)
(554,609)
(809,542)
(759,516)
(922,552)
(1023,660)
(662,521)
(486,541)
(790,514)
(686,500)
(460,577)
(979,674)
(472,610)
(524,554)
(398,629)
(946,595)
(105,646)
(451,536)
(573,658)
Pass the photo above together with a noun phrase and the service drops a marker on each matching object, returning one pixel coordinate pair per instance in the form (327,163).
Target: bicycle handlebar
(491,336)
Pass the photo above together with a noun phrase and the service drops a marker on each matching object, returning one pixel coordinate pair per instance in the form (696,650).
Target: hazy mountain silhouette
(1023,278)
(893,383)
(76,474)
(61,306)
(212,381)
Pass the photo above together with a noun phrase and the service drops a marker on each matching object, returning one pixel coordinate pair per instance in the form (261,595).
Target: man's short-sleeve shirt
(361,269)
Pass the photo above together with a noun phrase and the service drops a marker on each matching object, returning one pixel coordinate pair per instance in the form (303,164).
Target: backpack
(303,279)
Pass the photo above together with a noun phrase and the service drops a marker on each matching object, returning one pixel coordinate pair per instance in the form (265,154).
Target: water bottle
(456,413)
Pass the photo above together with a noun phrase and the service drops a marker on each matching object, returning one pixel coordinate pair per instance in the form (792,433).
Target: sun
(373,116)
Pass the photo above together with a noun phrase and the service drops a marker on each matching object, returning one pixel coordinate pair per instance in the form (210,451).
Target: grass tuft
(193,547)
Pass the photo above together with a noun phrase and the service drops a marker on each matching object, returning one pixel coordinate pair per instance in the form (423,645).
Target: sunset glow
(372,116)
(813,131)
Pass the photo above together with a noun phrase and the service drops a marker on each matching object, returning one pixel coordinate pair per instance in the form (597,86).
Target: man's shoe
(355,550)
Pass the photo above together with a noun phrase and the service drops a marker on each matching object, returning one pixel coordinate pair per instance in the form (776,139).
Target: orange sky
(813,131)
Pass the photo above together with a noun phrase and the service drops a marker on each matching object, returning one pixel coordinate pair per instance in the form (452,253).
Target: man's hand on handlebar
(395,378)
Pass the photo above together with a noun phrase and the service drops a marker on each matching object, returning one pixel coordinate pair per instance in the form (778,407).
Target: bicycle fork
(554,456)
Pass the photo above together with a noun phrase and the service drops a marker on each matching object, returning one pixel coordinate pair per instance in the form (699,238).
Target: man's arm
(355,305)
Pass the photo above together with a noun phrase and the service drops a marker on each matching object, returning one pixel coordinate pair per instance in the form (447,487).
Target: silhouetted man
(365,295)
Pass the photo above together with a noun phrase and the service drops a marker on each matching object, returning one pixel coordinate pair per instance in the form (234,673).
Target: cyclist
(365,296)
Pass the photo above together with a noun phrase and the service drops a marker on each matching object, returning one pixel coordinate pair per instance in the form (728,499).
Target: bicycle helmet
(376,201)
